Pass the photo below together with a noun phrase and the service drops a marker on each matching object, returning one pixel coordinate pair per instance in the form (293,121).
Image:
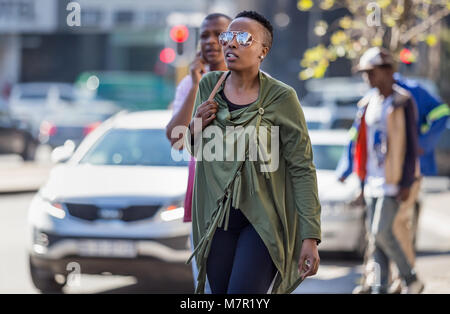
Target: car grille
(82,211)
(134,213)
(127,214)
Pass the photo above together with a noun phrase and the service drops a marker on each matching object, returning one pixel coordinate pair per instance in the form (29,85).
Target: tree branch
(422,27)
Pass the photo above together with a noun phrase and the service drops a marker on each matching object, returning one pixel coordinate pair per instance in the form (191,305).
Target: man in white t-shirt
(209,58)
(376,124)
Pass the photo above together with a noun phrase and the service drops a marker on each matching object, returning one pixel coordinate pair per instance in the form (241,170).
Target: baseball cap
(374,57)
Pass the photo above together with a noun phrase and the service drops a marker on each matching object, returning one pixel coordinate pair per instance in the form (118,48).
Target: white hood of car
(91,181)
(331,190)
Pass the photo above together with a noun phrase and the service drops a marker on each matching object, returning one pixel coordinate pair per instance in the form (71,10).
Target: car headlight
(172,212)
(54,209)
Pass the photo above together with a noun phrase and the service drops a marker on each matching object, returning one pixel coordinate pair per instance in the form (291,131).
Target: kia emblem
(108,213)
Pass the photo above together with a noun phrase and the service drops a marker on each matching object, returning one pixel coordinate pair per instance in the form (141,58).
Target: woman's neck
(244,80)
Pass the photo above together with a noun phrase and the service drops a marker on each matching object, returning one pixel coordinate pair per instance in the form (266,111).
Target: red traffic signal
(167,55)
(179,33)
(406,56)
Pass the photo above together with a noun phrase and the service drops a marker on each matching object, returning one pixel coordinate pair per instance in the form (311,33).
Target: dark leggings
(239,262)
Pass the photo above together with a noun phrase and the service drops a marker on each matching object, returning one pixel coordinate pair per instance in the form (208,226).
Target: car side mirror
(63,153)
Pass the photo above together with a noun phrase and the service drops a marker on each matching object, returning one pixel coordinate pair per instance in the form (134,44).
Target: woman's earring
(261,57)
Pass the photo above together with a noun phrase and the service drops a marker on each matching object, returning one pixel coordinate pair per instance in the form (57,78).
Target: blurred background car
(57,112)
(15,135)
(317,117)
(116,206)
(74,121)
(343,222)
(339,95)
(31,102)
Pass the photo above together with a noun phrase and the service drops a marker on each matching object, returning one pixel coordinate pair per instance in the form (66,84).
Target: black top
(231,106)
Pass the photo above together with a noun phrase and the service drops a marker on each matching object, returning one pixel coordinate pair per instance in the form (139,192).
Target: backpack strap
(216,88)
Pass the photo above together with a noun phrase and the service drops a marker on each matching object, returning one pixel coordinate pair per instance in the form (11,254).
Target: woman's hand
(206,112)
(308,264)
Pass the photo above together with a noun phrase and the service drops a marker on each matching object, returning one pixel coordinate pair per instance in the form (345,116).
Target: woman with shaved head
(253,228)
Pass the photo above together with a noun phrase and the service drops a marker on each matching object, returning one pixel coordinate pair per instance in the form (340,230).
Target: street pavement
(19,176)
(337,274)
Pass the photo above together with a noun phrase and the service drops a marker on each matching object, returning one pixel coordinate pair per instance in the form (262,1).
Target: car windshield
(133,147)
(34,95)
(39,92)
(326,157)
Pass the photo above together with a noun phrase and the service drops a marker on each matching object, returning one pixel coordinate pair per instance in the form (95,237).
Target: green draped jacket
(282,205)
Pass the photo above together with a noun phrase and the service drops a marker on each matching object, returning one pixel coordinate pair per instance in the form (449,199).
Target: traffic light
(167,55)
(407,56)
(179,34)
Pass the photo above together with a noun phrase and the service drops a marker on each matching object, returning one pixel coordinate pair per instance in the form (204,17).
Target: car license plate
(107,248)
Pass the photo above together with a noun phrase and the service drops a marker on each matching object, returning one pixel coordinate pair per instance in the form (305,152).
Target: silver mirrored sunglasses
(244,39)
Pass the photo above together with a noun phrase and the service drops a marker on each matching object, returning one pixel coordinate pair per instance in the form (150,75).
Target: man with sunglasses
(209,58)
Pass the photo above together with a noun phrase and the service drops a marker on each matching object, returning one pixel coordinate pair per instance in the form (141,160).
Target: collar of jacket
(400,98)
(266,96)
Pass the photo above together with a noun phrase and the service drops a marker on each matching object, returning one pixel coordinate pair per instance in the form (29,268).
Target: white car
(339,95)
(317,118)
(31,102)
(115,206)
(343,224)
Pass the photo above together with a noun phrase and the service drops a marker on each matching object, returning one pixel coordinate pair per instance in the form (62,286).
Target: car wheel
(44,280)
